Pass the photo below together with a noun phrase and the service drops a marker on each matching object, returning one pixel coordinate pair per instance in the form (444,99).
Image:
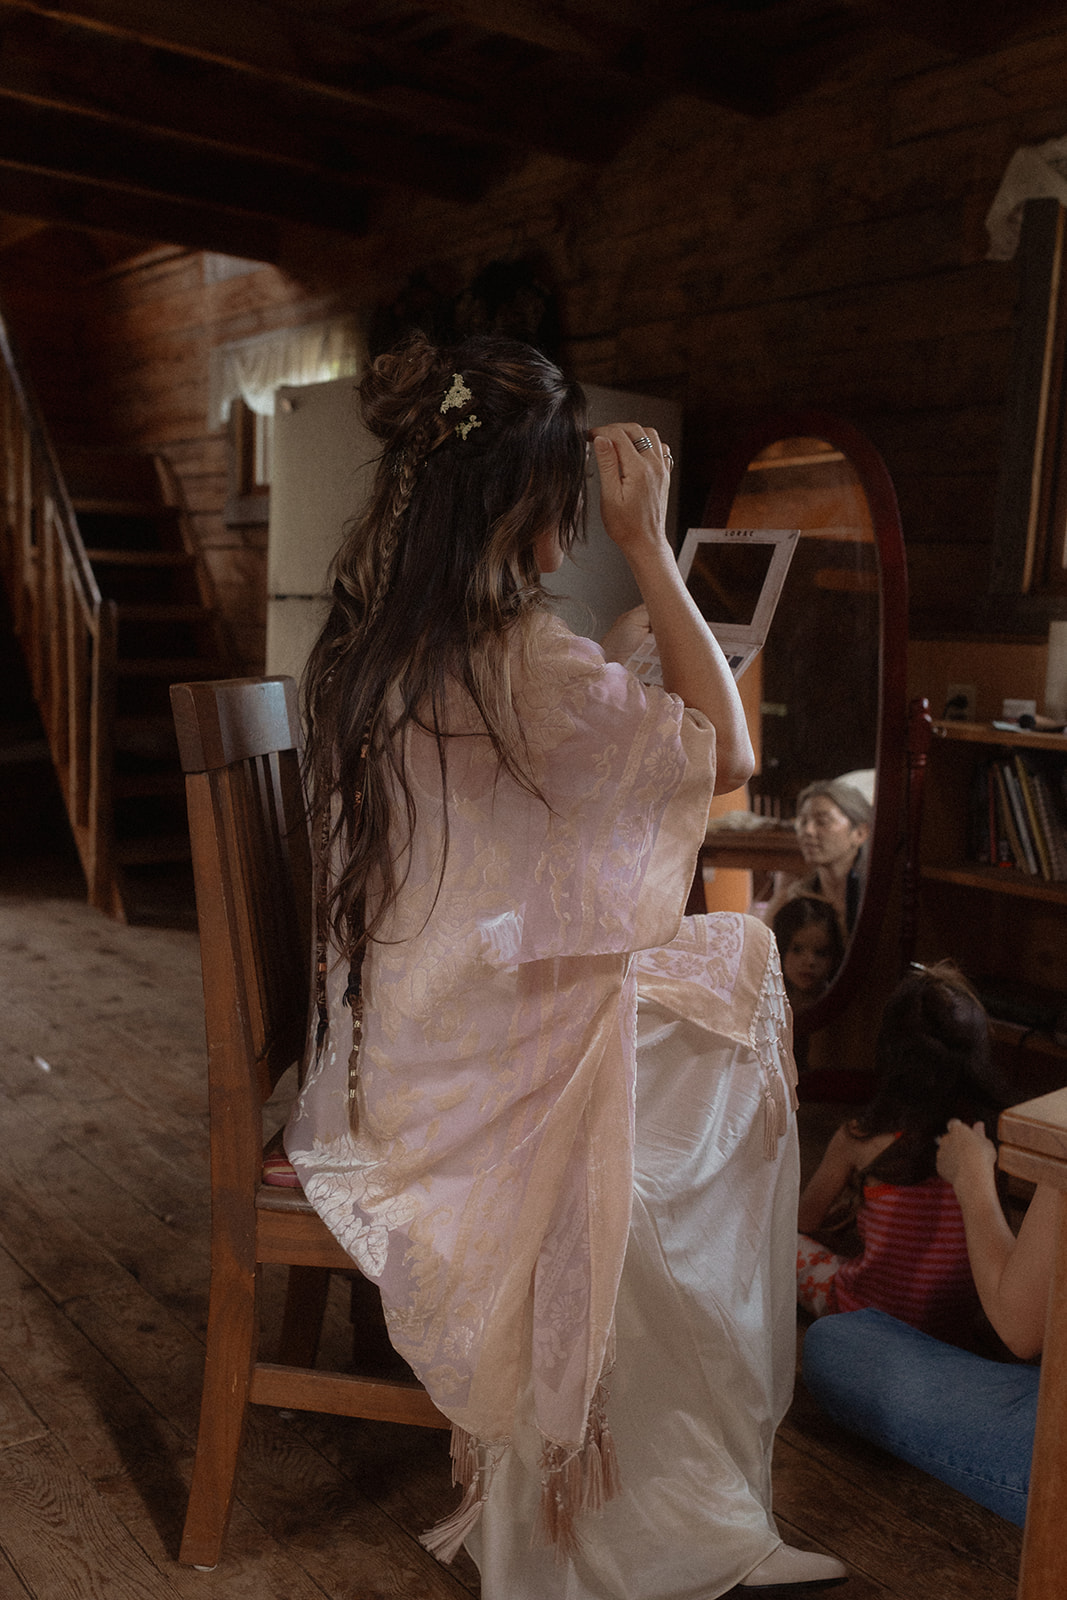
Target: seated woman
(833,824)
(810,946)
(506,824)
(964,1419)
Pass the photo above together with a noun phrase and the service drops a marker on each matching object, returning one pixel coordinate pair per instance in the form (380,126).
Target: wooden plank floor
(103,1279)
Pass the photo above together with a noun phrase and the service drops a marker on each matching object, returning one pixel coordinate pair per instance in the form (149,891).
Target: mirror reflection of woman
(833,825)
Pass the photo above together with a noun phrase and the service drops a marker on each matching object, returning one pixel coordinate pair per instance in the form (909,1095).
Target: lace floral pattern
(484,1175)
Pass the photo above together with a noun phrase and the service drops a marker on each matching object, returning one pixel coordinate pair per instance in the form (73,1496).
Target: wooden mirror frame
(891,743)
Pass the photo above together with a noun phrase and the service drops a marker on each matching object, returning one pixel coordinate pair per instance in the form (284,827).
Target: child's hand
(965,1154)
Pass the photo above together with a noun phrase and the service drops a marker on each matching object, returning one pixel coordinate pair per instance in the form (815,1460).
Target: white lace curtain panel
(252,369)
(1035,172)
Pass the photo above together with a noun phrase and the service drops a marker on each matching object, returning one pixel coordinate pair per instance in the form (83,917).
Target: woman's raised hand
(635,475)
(635,470)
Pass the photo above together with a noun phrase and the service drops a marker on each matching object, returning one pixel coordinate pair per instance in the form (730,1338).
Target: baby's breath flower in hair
(458,395)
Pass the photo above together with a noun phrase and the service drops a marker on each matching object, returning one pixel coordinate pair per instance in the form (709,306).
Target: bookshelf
(1007,928)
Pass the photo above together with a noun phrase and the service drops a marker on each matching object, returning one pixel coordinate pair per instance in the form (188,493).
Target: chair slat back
(239,744)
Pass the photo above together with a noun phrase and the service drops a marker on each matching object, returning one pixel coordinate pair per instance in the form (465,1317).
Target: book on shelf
(989,843)
(1037,835)
(1042,778)
(1017,813)
(1012,818)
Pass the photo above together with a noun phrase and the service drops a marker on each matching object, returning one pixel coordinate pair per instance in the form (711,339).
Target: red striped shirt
(914,1263)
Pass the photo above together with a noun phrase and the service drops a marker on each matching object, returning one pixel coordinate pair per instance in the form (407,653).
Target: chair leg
(305,1307)
(232,1335)
(372,1352)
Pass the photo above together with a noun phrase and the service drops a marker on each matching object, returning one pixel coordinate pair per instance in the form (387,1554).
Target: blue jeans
(963,1419)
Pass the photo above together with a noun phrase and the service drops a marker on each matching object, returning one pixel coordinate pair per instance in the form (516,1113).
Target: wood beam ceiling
(68,203)
(253,112)
(348,76)
(123,82)
(209,121)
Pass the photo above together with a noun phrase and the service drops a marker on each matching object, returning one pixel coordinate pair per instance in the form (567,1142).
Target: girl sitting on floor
(879,1171)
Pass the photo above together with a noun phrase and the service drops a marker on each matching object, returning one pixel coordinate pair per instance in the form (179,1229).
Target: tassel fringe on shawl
(585,1479)
(572,1482)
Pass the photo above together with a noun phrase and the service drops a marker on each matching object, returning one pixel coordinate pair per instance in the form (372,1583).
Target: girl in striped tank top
(878,1178)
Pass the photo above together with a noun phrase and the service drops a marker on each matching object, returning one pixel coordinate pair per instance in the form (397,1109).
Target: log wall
(150,326)
(831,255)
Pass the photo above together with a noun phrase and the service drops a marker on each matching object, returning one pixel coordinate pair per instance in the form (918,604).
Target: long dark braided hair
(483,453)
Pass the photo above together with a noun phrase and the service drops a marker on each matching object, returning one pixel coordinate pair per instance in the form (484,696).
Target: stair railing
(67,631)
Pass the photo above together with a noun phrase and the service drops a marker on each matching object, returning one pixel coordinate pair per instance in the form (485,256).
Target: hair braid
(437,573)
(405,471)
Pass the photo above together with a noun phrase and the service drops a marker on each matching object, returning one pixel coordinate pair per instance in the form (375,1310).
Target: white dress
(705,1328)
(479,1164)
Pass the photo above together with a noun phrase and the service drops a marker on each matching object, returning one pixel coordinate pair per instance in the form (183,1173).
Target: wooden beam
(578,113)
(579,77)
(597,30)
(65,65)
(69,203)
(14,229)
(723,57)
(64,144)
(726,58)
(757,61)
(971,30)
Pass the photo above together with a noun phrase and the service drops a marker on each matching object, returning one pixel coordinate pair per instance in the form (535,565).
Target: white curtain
(253,369)
(1035,172)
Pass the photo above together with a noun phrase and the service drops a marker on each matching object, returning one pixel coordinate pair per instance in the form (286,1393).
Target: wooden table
(753,849)
(1034,1145)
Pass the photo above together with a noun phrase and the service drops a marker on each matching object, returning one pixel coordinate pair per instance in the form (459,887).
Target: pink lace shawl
(483,1175)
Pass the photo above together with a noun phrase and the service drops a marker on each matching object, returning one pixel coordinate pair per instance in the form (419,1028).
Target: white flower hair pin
(458,396)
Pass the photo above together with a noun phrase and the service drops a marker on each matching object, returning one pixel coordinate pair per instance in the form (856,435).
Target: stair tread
(177,668)
(141,558)
(158,847)
(146,735)
(137,784)
(162,611)
(115,506)
(141,720)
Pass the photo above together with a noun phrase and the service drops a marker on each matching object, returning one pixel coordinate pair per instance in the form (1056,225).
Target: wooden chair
(251,860)
(1034,1146)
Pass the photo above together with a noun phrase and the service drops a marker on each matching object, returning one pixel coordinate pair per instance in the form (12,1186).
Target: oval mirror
(832,698)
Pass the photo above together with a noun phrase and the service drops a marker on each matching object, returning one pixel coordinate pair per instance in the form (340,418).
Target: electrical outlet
(960,702)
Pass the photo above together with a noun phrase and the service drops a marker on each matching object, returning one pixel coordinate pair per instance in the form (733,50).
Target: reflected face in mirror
(827,838)
(809,943)
(808,964)
(833,824)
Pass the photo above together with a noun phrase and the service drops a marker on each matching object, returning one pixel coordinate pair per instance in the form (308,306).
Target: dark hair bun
(400,393)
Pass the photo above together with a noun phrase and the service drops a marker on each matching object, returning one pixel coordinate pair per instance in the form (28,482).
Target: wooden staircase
(111,603)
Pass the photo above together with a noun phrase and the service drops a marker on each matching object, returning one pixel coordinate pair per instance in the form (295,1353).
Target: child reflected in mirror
(810,946)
